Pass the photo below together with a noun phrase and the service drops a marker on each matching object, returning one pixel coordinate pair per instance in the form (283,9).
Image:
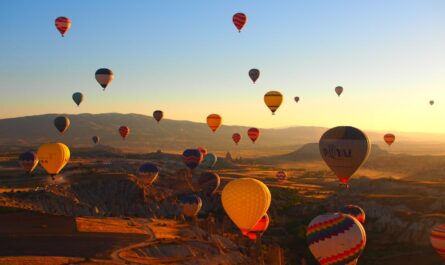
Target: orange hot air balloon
(236,137)
(63,24)
(273,100)
(258,229)
(389,138)
(339,90)
(214,121)
(253,134)
(124,131)
(344,149)
(239,20)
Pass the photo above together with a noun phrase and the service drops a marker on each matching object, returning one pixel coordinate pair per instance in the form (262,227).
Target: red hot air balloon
(192,158)
(389,138)
(157,115)
(258,229)
(236,137)
(253,134)
(124,131)
(281,176)
(239,19)
(63,24)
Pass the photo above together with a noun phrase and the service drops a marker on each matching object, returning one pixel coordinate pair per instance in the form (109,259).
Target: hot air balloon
(28,161)
(95,139)
(157,115)
(258,229)
(203,151)
(124,131)
(63,24)
(281,175)
(389,138)
(336,238)
(53,157)
(62,123)
(297,99)
(214,121)
(78,98)
(245,201)
(273,100)
(339,90)
(209,161)
(253,134)
(148,173)
(344,149)
(191,204)
(355,211)
(254,74)
(104,77)
(208,182)
(239,19)
(236,137)
(437,239)
(192,158)
(431,102)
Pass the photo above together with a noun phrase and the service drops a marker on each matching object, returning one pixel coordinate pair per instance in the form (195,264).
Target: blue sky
(187,58)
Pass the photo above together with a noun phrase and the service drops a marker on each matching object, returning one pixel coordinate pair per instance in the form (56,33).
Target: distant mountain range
(169,135)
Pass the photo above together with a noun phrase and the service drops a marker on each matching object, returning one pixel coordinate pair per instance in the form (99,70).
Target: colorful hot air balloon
(208,182)
(124,131)
(203,151)
(78,98)
(297,99)
(62,123)
(389,138)
(344,149)
(245,201)
(281,175)
(354,211)
(431,102)
(258,229)
(53,157)
(437,239)
(209,161)
(239,19)
(236,137)
(339,90)
(192,158)
(104,77)
(253,134)
(63,24)
(148,173)
(95,139)
(273,100)
(157,115)
(214,121)
(336,238)
(254,74)
(28,161)
(191,204)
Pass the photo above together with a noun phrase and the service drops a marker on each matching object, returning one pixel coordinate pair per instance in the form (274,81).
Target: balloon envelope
(95,139)
(355,211)
(258,229)
(253,134)
(245,201)
(148,173)
(281,175)
(192,158)
(214,122)
(28,161)
(191,204)
(339,90)
(273,100)
(78,98)
(236,137)
(254,74)
(124,131)
(297,99)
(53,157)
(239,20)
(63,24)
(62,123)
(437,238)
(209,161)
(208,182)
(336,238)
(431,102)
(104,77)
(157,115)
(344,149)
(389,138)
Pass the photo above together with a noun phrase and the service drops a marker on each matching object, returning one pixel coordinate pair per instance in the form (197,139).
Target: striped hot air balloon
(104,77)
(253,134)
(273,100)
(336,239)
(63,24)
(258,229)
(236,137)
(389,138)
(124,131)
(148,173)
(281,175)
(239,20)
(355,211)
(192,158)
(437,239)
(214,122)
(28,161)
(190,204)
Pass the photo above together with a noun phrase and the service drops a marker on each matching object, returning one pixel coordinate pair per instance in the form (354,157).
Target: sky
(187,59)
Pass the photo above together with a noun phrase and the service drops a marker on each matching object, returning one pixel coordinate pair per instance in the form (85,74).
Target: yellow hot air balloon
(53,157)
(245,200)
(273,100)
(214,121)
